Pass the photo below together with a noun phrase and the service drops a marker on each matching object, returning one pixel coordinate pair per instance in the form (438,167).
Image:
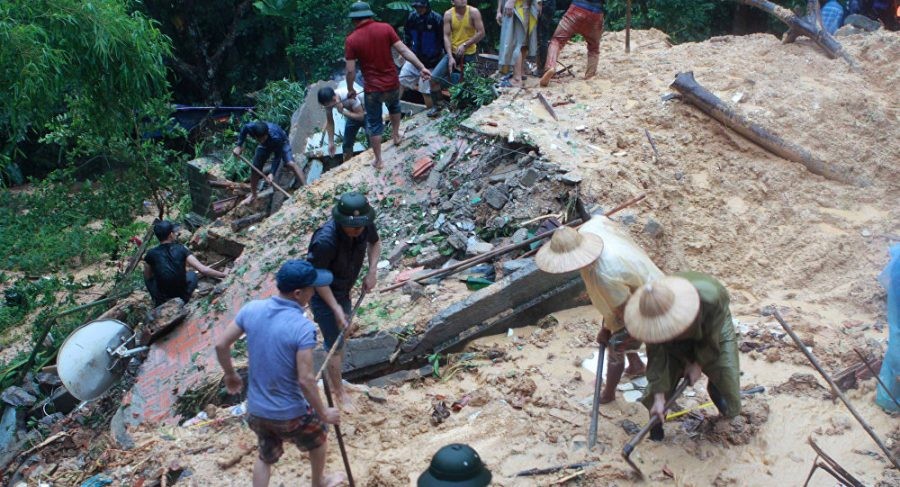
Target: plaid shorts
(306,432)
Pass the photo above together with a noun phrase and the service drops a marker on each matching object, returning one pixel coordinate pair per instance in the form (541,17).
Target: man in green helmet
(456,465)
(340,246)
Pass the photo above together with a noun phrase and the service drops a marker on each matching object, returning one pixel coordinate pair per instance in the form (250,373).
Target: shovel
(595,409)
(629,447)
(263,175)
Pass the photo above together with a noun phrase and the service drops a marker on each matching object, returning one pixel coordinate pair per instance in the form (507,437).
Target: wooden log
(225,184)
(694,93)
(245,222)
(809,26)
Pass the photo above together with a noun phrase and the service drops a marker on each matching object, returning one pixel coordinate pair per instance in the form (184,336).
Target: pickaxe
(629,447)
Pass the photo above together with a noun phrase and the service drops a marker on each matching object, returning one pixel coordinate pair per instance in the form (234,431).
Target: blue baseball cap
(297,274)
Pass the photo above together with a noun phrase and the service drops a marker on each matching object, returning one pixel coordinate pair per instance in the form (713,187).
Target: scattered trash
(630,427)
(632,396)
(460,403)
(98,480)
(439,413)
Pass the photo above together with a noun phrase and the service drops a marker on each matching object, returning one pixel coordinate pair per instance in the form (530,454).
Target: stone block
(496,197)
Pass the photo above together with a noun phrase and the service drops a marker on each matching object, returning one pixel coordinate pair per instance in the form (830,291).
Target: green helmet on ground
(360,10)
(353,210)
(455,465)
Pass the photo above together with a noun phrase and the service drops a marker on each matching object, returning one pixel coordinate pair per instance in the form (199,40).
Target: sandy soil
(530,409)
(771,231)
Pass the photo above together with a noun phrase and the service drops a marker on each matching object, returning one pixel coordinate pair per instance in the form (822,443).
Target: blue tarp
(890,367)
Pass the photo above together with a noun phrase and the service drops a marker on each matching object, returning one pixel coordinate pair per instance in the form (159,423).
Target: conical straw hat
(568,250)
(661,310)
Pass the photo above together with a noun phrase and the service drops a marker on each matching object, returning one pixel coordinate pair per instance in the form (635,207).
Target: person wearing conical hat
(686,323)
(612,266)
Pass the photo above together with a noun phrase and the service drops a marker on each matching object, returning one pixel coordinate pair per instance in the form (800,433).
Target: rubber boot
(591,70)
(614,369)
(716,397)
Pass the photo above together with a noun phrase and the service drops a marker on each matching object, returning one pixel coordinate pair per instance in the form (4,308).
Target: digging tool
(629,447)
(595,408)
(532,472)
(753,390)
(337,432)
(628,27)
(547,106)
(835,389)
(877,377)
(263,175)
(340,339)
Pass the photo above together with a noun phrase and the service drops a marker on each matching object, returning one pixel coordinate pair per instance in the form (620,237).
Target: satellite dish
(90,360)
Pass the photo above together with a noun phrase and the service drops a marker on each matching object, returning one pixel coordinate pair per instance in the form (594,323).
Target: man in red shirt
(370,43)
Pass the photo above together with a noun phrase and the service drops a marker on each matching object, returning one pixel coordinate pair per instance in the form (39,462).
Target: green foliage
(316,31)
(63,224)
(94,60)
(682,20)
(278,101)
(467,96)
(473,92)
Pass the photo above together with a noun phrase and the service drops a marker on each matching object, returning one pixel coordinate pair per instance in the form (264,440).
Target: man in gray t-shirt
(282,396)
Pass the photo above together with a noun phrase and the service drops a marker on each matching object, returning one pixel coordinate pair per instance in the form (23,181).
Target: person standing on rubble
(349,108)
(686,323)
(271,140)
(583,17)
(424,34)
(463,28)
(370,45)
(164,267)
(612,267)
(341,245)
(283,399)
(518,21)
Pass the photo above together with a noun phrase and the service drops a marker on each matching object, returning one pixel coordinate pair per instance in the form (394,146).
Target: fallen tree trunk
(242,223)
(809,26)
(697,95)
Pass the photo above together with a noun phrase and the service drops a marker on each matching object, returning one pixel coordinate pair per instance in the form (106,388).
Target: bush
(278,101)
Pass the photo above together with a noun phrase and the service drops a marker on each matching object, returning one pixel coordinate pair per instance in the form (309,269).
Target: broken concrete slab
(362,354)
(571,178)
(512,266)
(528,177)
(223,245)
(118,428)
(17,397)
(496,197)
(401,376)
(164,318)
(653,228)
(476,246)
(397,253)
(413,289)
(518,299)
(376,394)
(242,223)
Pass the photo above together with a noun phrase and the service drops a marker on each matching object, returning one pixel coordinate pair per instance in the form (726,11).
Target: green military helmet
(360,10)
(353,210)
(455,465)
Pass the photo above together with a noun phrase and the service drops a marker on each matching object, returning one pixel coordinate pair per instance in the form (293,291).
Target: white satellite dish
(90,360)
